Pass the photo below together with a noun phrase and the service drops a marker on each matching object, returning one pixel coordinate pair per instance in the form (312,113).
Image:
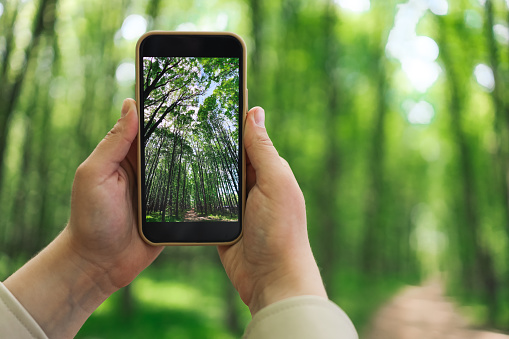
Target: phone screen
(190,142)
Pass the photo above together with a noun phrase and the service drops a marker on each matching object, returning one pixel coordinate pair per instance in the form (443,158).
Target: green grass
(361,296)
(223,217)
(472,305)
(153,321)
(186,300)
(157,217)
(169,300)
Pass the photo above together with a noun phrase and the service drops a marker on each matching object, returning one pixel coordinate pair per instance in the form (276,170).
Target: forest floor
(420,312)
(192,216)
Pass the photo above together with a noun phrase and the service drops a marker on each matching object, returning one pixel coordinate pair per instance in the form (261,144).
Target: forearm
(59,289)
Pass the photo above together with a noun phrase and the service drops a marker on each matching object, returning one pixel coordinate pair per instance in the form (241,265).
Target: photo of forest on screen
(191,139)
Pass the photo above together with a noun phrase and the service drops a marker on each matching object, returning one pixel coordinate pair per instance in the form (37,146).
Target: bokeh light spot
(133,27)
(473,19)
(417,54)
(354,5)
(421,73)
(501,33)
(222,21)
(438,7)
(426,48)
(187,26)
(484,76)
(126,73)
(421,113)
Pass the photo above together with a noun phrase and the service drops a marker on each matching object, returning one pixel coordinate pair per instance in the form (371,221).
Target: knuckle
(114,132)
(264,140)
(284,162)
(261,143)
(83,171)
(257,140)
(82,168)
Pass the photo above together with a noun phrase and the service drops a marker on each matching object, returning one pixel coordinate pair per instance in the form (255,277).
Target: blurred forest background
(394,116)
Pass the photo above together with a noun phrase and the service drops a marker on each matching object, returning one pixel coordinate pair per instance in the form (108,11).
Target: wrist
(59,289)
(91,274)
(298,281)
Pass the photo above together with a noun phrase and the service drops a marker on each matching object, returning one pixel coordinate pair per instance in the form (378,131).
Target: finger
(114,147)
(250,177)
(284,162)
(259,148)
(132,155)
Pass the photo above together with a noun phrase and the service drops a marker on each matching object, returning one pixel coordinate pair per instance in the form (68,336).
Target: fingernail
(259,117)
(125,108)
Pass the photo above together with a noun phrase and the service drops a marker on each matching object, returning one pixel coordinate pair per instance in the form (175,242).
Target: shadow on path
(423,312)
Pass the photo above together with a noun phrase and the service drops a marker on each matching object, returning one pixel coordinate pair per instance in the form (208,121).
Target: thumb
(114,147)
(259,148)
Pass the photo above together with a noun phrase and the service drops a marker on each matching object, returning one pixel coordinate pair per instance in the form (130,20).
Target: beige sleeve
(301,317)
(15,321)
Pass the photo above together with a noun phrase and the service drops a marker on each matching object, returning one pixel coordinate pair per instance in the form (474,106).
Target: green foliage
(390,199)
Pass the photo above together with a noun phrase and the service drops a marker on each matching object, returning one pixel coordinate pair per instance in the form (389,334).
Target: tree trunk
(501,123)
(44,20)
(374,239)
(477,263)
(178,176)
(170,175)
(331,178)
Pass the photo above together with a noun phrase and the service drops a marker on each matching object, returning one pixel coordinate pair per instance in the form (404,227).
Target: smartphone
(191,96)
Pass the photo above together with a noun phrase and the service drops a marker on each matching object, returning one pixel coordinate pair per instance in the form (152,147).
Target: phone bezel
(191,44)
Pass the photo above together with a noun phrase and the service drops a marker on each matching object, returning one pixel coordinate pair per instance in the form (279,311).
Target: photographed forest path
(192,216)
(423,312)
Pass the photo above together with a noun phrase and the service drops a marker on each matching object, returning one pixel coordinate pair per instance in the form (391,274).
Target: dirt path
(191,216)
(423,312)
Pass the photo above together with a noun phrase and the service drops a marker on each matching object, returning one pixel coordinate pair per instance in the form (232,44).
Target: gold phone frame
(138,139)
